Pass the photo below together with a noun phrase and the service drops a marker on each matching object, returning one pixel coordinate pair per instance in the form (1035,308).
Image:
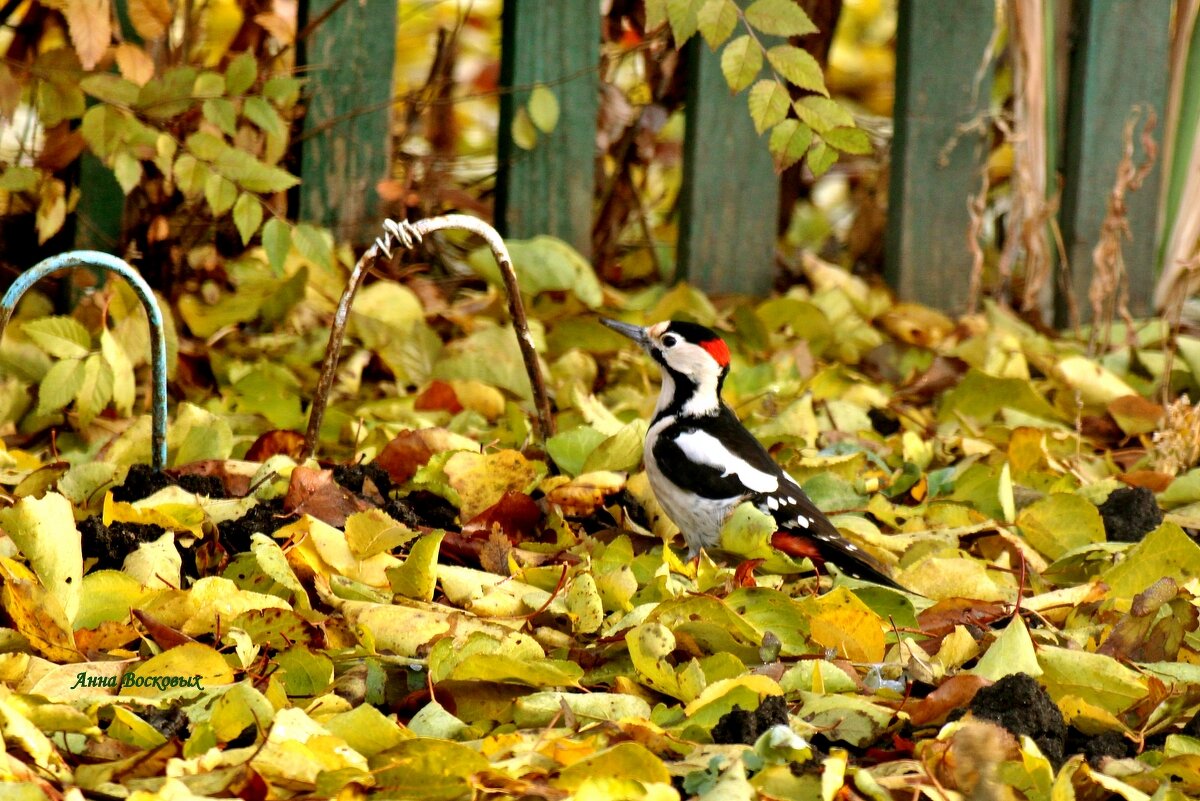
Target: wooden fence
(1118,59)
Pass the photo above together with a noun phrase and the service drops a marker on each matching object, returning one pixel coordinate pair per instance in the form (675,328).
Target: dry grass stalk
(1031,207)
(976,207)
(1177,279)
(1109,290)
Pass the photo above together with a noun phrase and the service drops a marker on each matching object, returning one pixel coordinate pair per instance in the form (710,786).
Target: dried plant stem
(408,234)
(976,206)
(1032,208)
(1109,290)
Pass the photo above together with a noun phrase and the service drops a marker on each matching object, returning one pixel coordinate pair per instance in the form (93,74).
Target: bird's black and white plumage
(703,463)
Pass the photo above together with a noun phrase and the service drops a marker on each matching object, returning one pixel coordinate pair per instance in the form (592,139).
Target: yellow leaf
(839,620)
(482,479)
(192,665)
(1166,551)
(416,578)
(44,529)
(36,613)
(623,760)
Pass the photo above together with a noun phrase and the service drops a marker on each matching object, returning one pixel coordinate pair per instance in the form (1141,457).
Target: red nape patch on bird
(718,350)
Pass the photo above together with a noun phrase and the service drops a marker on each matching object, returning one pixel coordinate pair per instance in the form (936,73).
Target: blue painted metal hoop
(158,342)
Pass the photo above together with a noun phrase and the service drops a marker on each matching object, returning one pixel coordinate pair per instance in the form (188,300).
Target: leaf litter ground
(443,616)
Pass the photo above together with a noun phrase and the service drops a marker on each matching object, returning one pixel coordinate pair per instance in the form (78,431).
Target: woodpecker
(702,462)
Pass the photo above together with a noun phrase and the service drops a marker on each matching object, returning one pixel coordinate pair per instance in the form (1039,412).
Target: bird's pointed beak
(634,332)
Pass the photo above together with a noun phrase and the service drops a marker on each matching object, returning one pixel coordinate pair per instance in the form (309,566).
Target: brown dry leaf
(407,453)
(134,63)
(1136,415)
(277,441)
(438,396)
(583,495)
(314,492)
(955,692)
(282,29)
(150,18)
(90,25)
(110,634)
(482,479)
(1150,479)
(515,514)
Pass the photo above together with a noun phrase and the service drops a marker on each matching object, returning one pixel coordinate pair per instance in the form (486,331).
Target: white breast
(698,519)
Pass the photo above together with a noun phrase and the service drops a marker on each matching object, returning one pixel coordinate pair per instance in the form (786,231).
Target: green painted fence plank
(549,189)
(1120,60)
(940,49)
(730,195)
(347,136)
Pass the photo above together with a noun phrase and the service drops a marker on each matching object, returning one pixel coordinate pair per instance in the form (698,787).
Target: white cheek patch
(704,448)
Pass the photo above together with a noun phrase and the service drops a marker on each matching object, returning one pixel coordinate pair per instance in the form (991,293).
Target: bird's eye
(670,341)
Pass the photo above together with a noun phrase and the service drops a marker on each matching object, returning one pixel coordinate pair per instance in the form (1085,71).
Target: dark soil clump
(1129,514)
(1021,705)
(739,726)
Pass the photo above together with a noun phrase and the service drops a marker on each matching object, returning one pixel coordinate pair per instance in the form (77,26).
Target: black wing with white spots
(799,518)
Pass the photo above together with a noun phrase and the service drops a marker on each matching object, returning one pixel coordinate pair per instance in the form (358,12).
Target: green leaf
(206,146)
(277,241)
(741,61)
(196,435)
(241,73)
(789,141)
(570,449)
(247,216)
(283,91)
(220,193)
(621,452)
(820,158)
(220,112)
(798,66)
(264,115)
(656,14)
(1059,523)
(314,244)
(102,128)
(209,84)
(523,132)
(716,20)
(780,18)
(110,88)
(253,175)
(61,337)
(128,171)
(1012,652)
(822,114)
(543,264)
(19,179)
(682,14)
(1166,551)
(95,391)
(305,673)
(123,388)
(543,108)
(190,175)
(848,140)
(59,386)
(768,104)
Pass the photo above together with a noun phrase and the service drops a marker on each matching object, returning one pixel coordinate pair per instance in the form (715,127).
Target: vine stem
(407,234)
